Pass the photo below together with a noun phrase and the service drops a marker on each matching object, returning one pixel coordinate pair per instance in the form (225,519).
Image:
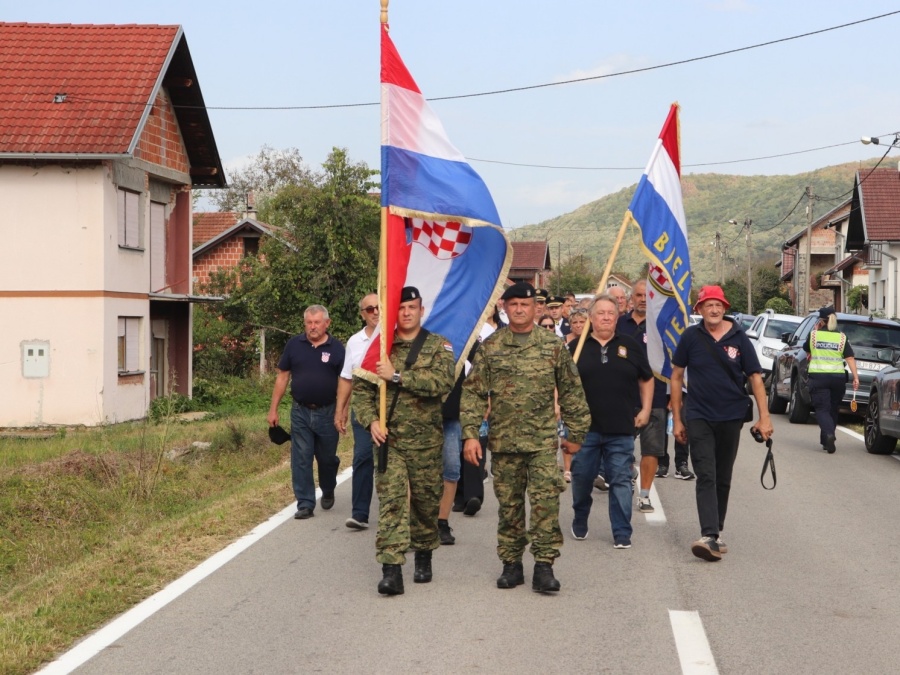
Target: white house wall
(64,280)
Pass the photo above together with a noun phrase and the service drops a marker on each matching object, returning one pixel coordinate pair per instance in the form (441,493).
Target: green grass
(93,521)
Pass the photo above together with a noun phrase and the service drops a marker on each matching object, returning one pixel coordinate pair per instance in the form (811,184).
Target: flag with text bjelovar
(658,211)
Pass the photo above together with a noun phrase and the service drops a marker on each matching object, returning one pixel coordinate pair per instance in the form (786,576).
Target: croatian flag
(658,211)
(443,233)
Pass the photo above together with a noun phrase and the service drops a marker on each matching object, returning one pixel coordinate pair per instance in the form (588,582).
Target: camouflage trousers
(409,494)
(537,474)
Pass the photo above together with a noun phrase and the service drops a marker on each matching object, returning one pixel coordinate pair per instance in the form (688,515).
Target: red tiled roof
(209,224)
(108,74)
(880,200)
(530,255)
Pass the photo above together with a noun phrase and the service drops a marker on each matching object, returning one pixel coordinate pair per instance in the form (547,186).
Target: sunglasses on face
(371,309)
(548,326)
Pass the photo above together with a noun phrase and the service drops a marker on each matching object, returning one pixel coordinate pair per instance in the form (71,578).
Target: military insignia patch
(623,351)
(732,352)
(448,347)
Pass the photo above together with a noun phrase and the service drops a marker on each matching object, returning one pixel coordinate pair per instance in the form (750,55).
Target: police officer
(409,488)
(828,349)
(541,296)
(555,310)
(519,367)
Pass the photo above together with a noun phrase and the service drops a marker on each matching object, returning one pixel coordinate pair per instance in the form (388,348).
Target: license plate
(871,365)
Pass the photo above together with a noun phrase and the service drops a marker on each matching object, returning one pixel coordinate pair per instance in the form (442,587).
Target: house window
(128,214)
(129,344)
(251,246)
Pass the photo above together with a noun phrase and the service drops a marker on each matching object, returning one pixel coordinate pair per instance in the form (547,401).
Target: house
(620,282)
(832,271)
(103,134)
(874,234)
(530,263)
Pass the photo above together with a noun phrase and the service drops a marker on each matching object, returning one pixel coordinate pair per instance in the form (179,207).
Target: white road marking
(862,438)
(693,648)
(658,517)
(103,638)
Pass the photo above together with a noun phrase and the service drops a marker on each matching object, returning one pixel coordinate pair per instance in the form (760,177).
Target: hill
(710,201)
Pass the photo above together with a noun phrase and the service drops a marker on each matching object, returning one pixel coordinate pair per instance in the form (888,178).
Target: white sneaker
(644,505)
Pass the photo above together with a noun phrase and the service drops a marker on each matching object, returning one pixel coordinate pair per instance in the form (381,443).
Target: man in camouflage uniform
(409,490)
(519,367)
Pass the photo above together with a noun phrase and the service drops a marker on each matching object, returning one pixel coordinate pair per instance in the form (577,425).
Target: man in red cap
(720,357)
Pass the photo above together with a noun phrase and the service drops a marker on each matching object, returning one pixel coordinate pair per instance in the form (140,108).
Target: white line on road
(862,438)
(693,648)
(658,517)
(97,642)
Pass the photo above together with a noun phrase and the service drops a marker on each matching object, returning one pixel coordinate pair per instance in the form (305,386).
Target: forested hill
(710,200)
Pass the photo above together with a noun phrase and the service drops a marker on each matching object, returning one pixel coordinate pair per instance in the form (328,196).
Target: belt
(314,406)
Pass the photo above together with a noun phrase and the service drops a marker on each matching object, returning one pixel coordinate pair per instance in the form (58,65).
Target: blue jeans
(452,450)
(313,434)
(616,452)
(363,470)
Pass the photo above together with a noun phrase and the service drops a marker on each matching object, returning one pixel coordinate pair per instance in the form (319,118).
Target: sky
(822,90)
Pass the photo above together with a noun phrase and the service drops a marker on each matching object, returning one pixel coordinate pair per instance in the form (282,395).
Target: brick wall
(161,141)
(227,254)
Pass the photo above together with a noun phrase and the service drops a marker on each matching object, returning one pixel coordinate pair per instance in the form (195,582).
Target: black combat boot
(392,582)
(422,575)
(513,575)
(543,579)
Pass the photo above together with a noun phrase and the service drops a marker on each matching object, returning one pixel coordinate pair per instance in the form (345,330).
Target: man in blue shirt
(311,362)
(718,356)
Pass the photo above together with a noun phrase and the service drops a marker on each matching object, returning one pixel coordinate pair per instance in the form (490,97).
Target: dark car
(882,427)
(873,342)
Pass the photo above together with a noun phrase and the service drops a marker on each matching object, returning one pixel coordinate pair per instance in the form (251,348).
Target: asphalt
(809,585)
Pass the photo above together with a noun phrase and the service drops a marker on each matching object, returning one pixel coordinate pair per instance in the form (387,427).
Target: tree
(577,274)
(779,306)
(325,251)
(858,298)
(268,172)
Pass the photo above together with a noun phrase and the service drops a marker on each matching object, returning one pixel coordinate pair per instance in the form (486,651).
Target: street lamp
(747,224)
(874,140)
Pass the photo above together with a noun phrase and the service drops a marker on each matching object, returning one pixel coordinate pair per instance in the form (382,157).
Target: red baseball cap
(711,293)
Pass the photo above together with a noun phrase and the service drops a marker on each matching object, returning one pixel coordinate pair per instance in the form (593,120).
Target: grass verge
(94,521)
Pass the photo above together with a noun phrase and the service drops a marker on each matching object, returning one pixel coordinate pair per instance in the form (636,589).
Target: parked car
(694,319)
(743,320)
(874,343)
(766,333)
(882,426)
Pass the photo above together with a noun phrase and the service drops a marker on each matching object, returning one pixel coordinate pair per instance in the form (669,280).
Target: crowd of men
(523,400)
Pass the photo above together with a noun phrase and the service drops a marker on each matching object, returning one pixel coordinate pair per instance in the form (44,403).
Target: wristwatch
(395,378)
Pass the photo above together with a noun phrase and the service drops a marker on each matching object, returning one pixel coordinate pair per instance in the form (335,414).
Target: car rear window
(776,327)
(871,334)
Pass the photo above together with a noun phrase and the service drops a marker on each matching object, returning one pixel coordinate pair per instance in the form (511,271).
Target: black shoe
(458,507)
(304,513)
(327,500)
(473,506)
(422,574)
(829,445)
(662,471)
(513,575)
(392,581)
(543,580)
(445,532)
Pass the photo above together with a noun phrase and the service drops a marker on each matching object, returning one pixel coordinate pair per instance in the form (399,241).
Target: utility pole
(747,224)
(807,262)
(718,258)
(558,263)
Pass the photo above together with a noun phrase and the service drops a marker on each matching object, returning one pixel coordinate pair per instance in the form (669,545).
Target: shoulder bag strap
(770,465)
(414,350)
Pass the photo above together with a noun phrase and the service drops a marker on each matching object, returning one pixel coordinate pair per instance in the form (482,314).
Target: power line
(543,85)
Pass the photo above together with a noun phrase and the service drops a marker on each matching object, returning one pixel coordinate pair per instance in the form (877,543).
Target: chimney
(250,212)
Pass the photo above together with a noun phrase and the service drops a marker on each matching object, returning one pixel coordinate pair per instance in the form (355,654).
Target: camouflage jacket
(417,422)
(520,379)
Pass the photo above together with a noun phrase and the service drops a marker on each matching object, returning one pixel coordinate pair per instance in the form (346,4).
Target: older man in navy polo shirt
(718,356)
(311,362)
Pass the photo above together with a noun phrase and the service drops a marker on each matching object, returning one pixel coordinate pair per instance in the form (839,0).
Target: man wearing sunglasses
(363,463)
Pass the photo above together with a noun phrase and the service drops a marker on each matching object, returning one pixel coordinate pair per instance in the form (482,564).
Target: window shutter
(120,214)
(132,344)
(132,230)
(157,247)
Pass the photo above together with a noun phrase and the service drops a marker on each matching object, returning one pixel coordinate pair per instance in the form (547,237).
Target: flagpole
(602,285)
(382,282)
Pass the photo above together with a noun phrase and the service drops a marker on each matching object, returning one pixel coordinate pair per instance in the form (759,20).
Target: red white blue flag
(443,233)
(658,211)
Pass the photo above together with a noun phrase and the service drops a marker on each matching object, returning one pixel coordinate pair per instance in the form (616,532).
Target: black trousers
(826,391)
(681,451)
(714,447)
(471,479)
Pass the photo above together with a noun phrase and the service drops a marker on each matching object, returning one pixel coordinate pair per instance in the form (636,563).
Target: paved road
(809,586)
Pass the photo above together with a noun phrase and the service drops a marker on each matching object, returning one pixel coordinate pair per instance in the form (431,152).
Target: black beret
(409,293)
(519,290)
(278,435)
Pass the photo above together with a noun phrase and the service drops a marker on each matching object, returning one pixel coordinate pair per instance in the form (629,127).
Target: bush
(232,394)
(165,407)
(779,306)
